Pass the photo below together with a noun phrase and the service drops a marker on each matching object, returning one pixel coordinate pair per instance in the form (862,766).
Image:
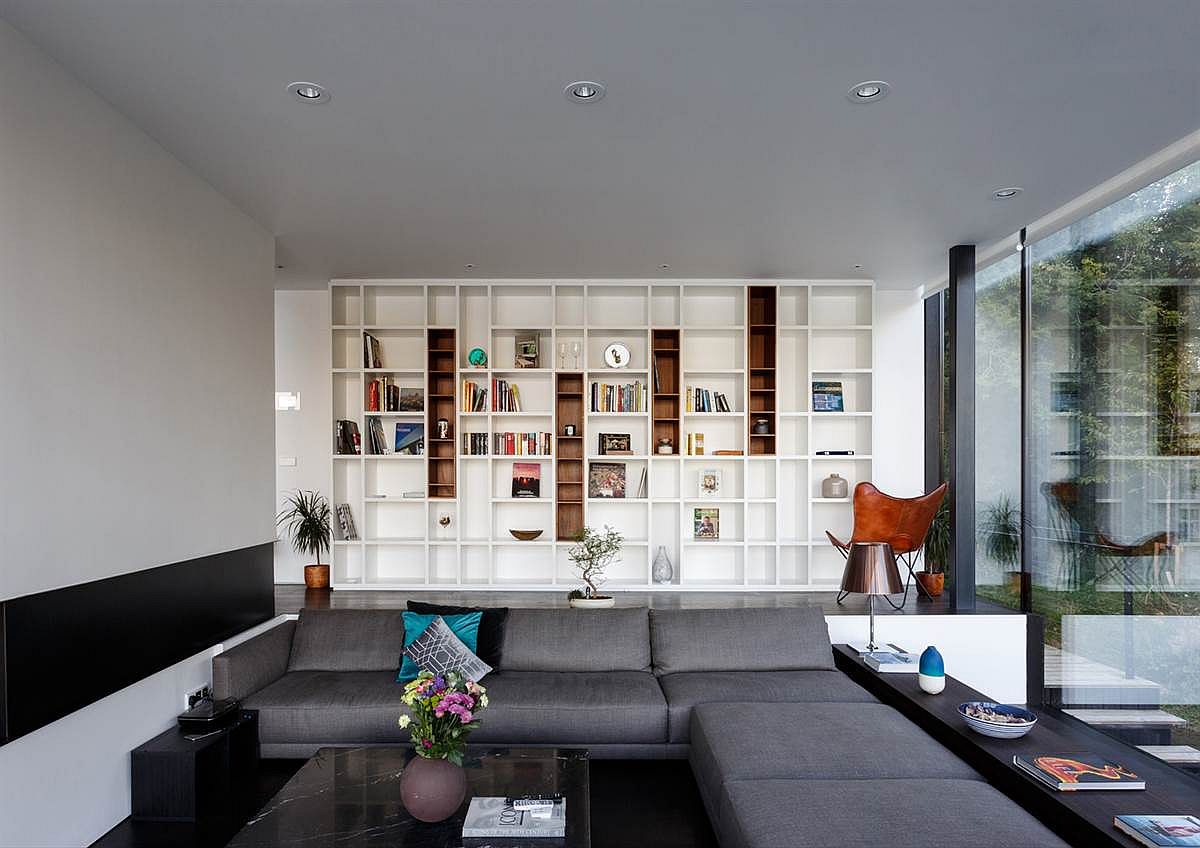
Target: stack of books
(474,397)
(347,438)
(704,400)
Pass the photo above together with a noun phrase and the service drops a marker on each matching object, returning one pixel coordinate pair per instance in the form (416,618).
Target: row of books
(507,444)
(628,397)
(505,396)
(372,352)
(704,400)
(346,522)
(346,438)
(383,395)
(474,397)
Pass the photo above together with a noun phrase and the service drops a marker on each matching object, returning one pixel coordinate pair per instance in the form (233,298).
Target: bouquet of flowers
(444,710)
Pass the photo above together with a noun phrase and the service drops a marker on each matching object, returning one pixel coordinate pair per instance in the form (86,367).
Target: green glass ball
(477,357)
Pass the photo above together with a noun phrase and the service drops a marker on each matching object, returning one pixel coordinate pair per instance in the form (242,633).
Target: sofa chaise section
(776,655)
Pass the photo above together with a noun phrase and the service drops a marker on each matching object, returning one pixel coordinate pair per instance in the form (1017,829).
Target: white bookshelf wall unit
(442,517)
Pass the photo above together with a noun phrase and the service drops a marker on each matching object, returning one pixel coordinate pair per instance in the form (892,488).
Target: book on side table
(891,662)
(495,818)
(1160,831)
(1075,772)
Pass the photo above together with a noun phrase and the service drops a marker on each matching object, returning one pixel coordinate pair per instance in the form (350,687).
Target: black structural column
(935,335)
(960,423)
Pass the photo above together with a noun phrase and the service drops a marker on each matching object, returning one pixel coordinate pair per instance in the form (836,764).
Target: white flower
(405,720)
(483,701)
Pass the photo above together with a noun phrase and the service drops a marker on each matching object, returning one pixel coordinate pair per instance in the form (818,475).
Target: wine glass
(576,349)
(562,355)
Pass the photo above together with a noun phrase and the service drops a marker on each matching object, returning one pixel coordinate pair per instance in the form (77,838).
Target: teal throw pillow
(464,626)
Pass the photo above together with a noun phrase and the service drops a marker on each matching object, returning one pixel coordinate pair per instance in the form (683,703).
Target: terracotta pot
(932,582)
(432,789)
(316,576)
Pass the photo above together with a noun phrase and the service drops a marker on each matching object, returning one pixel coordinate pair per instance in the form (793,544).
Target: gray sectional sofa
(786,750)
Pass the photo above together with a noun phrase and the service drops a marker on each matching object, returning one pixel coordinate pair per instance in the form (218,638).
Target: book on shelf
(710,483)
(495,818)
(626,397)
(413,493)
(834,453)
(891,662)
(657,381)
(641,489)
(526,355)
(346,522)
(376,440)
(348,442)
(695,444)
(1074,772)
(475,444)
(372,352)
(521,444)
(410,438)
(705,400)
(606,480)
(474,397)
(706,523)
(726,452)
(827,396)
(527,480)
(506,397)
(1160,831)
(408,399)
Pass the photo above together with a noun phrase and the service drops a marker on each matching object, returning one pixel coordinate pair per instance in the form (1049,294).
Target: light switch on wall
(287,461)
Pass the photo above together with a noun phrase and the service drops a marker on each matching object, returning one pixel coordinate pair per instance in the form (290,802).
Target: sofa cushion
(439,650)
(577,640)
(869,813)
(755,639)
(350,707)
(573,708)
(490,647)
(686,690)
(464,627)
(347,640)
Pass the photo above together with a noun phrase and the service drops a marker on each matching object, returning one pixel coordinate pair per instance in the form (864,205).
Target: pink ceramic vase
(432,789)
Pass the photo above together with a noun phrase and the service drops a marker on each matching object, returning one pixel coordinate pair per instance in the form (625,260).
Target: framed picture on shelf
(410,438)
(606,480)
(411,400)
(827,396)
(527,480)
(614,444)
(706,524)
(526,351)
(710,483)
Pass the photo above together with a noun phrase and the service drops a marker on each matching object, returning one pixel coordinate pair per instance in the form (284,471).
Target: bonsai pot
(593,603)
(933,582)
(316,576)
(432,789)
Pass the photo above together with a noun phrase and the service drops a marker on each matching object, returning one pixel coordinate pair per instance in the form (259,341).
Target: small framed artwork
(710,483)
(526,351)
(614,444)
(706,524)
(527,480)
(606,480)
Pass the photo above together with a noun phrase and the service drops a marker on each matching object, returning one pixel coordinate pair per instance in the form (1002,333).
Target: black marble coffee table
(351,797)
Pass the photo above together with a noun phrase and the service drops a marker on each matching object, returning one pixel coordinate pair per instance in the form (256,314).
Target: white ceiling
(725,146)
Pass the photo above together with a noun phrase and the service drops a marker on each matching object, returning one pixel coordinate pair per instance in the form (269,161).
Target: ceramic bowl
(525,535)
(1025,720)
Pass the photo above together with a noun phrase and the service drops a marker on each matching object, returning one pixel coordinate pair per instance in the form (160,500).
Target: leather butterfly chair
(901,522)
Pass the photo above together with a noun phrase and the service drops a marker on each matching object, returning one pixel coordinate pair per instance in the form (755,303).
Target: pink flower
(426,743)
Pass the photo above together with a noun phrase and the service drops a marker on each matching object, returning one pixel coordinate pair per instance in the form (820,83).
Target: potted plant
(593,552)
(443,709)
(305,519)
(1002,538)
(937,553)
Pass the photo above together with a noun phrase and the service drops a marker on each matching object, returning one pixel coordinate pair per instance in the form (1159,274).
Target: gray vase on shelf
(661,571)
(834,486)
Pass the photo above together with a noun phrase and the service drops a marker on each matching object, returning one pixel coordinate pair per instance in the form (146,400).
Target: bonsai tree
(305,520)
(593,552)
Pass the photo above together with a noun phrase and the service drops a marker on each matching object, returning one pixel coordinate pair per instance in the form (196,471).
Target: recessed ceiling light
(584,91)
(469,266)
(664,267)
(309,92)
(1006,193)
(871,91)
(857,267)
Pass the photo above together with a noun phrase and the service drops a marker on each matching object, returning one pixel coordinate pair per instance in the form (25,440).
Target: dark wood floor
(291,597)
(634,804)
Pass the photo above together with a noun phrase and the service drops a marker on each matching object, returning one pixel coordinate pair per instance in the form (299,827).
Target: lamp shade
(871,570)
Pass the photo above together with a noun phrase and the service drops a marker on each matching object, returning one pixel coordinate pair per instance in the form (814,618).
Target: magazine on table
(1161,831)
(1076,772)
(891,662)
(494,818)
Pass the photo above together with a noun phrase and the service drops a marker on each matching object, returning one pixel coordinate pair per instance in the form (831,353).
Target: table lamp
(871,570)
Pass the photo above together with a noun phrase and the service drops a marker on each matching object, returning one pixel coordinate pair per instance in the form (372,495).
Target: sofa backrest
(763,639)
(577,640)
(347,640)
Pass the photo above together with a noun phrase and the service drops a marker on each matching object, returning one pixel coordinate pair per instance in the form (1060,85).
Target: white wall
(135,344)
(899,420)
(135,403)
(302,365)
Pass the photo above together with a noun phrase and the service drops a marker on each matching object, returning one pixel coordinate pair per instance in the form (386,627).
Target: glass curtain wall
(1116,460)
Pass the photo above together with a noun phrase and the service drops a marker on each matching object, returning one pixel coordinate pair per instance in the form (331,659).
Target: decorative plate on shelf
(477,357)
(616,355)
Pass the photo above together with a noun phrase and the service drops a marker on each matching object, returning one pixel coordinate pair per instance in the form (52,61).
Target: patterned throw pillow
(439,650)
